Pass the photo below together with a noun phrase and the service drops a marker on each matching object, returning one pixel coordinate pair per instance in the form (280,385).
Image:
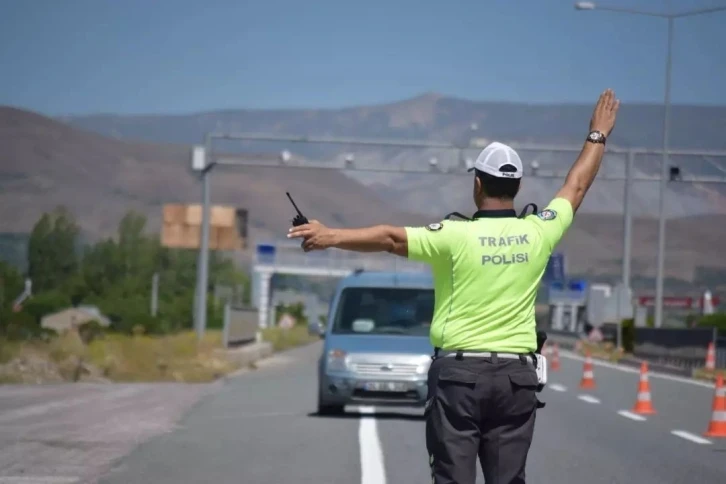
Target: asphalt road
(260,428)
(73,433)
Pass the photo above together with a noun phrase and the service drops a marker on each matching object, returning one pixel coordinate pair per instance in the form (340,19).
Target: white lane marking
(557,387)
(631,415)
(371,455)
(588,398)
(689,436)
(627,369)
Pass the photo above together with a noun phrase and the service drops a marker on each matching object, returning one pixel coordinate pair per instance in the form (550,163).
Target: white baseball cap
(494,157)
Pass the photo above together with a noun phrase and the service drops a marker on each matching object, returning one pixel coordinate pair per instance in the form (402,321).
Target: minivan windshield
(390,311)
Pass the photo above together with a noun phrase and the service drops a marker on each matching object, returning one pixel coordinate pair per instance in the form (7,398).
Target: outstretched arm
(379,238)
(584,170)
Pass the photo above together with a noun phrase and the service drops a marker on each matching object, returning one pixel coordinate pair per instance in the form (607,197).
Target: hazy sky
(174,56)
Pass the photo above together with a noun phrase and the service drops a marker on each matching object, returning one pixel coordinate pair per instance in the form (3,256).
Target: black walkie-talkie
(299,219)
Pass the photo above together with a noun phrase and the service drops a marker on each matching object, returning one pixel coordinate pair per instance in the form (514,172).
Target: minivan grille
(384,369)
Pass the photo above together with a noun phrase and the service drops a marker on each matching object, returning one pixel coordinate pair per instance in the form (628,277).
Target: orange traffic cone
(717,426)
(711,357)
(643,403)
(555,363)
(588,378)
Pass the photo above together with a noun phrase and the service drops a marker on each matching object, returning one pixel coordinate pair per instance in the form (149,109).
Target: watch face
(595,136)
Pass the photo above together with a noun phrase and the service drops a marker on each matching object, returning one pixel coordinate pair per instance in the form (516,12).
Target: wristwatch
(596,137)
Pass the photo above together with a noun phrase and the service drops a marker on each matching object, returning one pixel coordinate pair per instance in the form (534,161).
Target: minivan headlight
(337,360)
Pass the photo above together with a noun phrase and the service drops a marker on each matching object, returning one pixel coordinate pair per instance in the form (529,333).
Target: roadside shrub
(20,326)
(715,320)
(45,303)
(628,329)
(629,332)
(90,331)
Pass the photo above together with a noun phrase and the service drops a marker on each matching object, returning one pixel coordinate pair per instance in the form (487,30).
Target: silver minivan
(376,341)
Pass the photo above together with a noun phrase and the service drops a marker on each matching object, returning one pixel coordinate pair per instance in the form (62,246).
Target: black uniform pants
(481,407)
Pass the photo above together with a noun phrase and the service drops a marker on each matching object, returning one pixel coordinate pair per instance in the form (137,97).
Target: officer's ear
(477,187)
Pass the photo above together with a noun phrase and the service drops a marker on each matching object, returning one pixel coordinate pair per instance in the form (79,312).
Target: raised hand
(606,110)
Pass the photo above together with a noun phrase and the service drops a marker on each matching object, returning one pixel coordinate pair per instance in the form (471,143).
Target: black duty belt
(494,355)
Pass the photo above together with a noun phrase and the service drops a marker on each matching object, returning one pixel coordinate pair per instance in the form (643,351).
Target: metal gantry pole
(432,169)
(664,183)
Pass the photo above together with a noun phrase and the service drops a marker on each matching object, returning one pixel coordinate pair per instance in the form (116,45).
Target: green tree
(11,285)
(52,257)
(40,263)
(45,303)
(116,273)
(138,253)
(101,267)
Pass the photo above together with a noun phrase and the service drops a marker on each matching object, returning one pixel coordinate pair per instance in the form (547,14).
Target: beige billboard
(182,227)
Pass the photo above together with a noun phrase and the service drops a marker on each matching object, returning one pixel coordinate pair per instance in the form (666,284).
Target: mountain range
(102,165)
(433,117)
(44,162)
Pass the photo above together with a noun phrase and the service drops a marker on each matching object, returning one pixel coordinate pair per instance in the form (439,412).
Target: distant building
(72,318)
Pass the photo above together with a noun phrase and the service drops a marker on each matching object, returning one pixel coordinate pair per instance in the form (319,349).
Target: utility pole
(154,294)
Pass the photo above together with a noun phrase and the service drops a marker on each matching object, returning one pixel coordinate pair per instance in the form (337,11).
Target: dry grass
(709,375)
(116,357)
(178,357)
(123,358)
(8,351)
(604,351)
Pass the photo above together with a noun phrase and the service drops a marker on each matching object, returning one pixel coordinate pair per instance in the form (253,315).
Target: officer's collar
(505,213)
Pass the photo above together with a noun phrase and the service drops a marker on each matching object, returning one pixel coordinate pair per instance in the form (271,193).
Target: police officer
(482,383)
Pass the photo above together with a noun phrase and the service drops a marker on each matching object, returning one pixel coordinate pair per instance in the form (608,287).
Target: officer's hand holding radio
(315,235)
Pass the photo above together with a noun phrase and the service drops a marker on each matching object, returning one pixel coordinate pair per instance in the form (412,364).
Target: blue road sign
(555,270)
(578,286)
(266,253)
(574,290)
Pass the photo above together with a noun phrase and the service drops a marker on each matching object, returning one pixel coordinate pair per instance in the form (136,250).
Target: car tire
(329,409)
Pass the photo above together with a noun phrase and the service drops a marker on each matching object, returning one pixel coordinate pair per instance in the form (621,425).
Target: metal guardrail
(665,349)
(721,352)
(681,347)
(721,358)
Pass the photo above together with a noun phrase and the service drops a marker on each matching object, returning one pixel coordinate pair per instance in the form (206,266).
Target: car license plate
(385,386)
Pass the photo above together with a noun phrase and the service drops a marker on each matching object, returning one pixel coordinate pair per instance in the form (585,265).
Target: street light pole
(666,129)
(627,219)
(200,319)
(660,268)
